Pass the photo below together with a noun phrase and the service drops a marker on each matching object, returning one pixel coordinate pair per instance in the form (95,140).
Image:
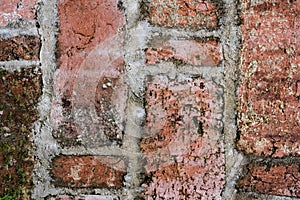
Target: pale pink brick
(90,91)
(198,53)
(182,144)
(14,10)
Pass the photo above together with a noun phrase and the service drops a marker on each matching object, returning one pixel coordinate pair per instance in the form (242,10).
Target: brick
(19,94)
(182,144)
(87,197)
(89,86)
(88,171)
(268,94)
(198,53)
(184,14)
(17,10)
(275,179)
(20,48)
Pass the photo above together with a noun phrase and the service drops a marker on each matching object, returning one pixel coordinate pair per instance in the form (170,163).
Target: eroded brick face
(88,171)
(269,105)
(182,144)
(20,48)
(197,53)
(16,10)
(89,86)
(184,14)
(279,179)
(19,94)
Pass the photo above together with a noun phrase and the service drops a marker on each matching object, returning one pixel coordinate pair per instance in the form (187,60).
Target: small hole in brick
(200,130)
(202,85)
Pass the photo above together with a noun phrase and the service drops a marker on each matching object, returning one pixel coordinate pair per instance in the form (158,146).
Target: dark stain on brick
(19,94)
(271,178)
(20,48)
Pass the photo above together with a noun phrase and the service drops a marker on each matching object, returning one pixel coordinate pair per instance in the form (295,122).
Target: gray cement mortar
(138,33)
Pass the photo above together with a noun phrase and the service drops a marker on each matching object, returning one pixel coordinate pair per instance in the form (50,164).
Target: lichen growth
(19,94)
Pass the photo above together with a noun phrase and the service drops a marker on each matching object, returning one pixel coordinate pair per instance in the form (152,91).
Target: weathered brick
(182,144)
(89,86)
(20,48)
(199,53)
(16,10)
(19,93)
(88,171)
(268,94)
(184,13)
(87,197)
(279,179)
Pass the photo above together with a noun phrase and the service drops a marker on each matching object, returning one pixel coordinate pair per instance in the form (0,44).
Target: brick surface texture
(90,53)
(281,179)
(16,10)
(269,103)
(186,13)
(149,100)
(198,53)
(183,150)
(19,92)
(20,48)
(88,171)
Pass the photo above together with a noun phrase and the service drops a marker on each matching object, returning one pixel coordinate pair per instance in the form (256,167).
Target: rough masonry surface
(151,99)
(183,145)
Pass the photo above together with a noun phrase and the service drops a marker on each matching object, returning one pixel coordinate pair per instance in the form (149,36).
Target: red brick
(91,93)
(204,53)
(20,48)
(182,145)
(14,10)
(268,94)
(184,13)
(87,197)
(279,179)
(88,171)
(19,94)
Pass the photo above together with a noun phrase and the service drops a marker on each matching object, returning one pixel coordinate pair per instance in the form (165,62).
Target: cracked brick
(89,86)
(182,143)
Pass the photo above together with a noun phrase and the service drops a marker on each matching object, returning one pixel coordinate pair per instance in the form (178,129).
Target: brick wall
(113,100)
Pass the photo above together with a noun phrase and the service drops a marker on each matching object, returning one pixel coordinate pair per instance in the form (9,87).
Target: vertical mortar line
(134,38)
(131,148)
(46,147)
(230,38)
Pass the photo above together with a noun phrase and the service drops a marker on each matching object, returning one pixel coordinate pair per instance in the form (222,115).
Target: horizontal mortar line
(178,33)
(8,33)
(100,151)
(14,65)
(87,191)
